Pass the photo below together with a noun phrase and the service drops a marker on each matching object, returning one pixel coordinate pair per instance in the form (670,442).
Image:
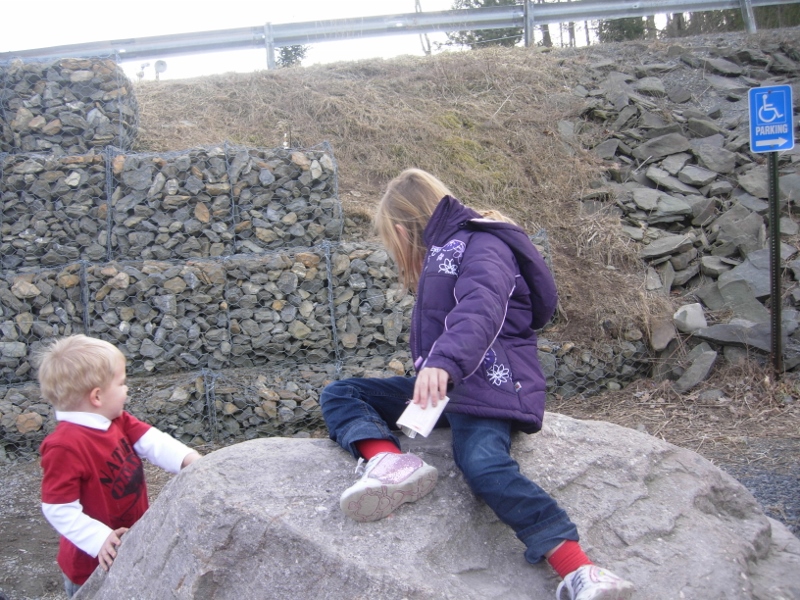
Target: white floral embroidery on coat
(448,266)
(457,247)
(498,374)
(448,257)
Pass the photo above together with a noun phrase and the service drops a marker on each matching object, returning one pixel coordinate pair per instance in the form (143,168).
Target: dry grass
(484,122)
(481,125)
(600,239)
(753,406)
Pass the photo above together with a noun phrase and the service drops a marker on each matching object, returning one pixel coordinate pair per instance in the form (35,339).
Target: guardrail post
(748,15)
(528,24)
(269,44)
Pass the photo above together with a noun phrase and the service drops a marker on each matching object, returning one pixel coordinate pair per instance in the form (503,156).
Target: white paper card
(416,420)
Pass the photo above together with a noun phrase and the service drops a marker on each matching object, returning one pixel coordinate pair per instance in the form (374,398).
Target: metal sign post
(771,130)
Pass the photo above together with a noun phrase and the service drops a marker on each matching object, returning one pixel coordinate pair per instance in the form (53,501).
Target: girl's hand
(109,550)
(431,385)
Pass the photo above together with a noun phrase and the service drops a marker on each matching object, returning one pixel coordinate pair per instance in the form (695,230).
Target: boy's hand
(189,459)
(431,385)
(109,550)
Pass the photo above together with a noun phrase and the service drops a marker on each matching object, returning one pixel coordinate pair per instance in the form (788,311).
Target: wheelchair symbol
(767,112)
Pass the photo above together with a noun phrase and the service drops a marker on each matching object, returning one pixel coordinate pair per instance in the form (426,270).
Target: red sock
(568,558)
(369,448)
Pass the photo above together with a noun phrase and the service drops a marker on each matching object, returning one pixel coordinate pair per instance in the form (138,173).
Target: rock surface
(261,520)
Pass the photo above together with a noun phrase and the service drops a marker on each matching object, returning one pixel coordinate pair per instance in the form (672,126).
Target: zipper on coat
(417,313)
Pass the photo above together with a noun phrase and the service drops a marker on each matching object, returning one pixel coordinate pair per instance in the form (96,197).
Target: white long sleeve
(69,520)
(162,450)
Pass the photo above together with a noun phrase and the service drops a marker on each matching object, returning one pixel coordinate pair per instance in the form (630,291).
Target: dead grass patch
(720,419)
(484,122)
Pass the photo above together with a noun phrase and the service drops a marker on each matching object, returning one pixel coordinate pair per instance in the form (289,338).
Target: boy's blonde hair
(73,366)
(409,201)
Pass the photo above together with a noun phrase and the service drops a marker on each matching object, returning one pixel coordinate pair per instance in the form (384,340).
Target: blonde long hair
(495,215)
(409,201)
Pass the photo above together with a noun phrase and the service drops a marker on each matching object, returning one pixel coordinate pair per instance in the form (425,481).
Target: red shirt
(102,471)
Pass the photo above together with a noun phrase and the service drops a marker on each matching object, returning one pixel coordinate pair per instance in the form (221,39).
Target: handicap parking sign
(771,119)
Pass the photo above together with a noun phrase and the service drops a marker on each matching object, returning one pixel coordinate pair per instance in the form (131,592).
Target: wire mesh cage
(135,306)
(242,345)
(371,308)
(170,310)
(221,201)
(169,206)
(284,197)
(52,210)
(65,107)
(279,308)
(37,307)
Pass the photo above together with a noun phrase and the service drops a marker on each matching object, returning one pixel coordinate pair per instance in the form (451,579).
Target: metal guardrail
(270,36)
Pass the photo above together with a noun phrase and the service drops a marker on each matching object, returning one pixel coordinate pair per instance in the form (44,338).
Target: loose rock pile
(684,183)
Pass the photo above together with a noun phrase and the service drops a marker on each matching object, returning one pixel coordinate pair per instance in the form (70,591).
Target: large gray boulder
(261,520)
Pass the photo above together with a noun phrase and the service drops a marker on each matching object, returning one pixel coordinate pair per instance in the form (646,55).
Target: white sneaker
(389,480)
(590,582)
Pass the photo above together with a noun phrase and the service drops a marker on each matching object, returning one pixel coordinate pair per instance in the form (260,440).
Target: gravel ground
(28,545)
(777,486)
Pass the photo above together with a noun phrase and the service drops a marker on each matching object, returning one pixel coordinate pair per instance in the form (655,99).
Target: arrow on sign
(776,142)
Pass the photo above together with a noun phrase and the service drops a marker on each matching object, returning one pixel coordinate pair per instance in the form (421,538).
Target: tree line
(676,25)
(618,30)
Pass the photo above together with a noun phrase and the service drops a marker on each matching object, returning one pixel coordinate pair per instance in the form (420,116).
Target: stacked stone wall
(228,348)
(65,107)
(213,257)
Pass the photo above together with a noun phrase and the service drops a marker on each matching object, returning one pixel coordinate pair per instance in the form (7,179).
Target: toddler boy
(93,486)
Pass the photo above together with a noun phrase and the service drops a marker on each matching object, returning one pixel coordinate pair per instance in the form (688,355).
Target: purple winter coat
(483,290)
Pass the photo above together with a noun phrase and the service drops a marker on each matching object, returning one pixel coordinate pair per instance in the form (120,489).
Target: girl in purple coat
(482,291)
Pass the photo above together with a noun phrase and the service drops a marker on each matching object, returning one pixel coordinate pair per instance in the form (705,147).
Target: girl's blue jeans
(360,409)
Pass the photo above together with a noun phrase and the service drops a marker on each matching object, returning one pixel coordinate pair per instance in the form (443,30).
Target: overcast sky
(44,23)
